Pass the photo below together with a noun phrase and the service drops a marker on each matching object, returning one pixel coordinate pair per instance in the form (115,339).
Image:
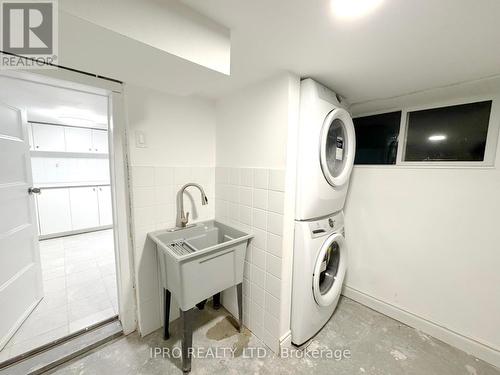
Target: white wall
(424,242)
(253,128)
(180,135)
(252,125)
(180,131)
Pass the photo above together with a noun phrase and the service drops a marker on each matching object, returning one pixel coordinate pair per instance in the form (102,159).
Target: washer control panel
(326,225)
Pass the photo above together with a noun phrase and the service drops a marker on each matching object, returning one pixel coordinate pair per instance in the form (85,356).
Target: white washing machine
(326,150)
(319,266)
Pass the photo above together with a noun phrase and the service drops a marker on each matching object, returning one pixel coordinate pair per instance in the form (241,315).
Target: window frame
(490,150)
(382,112)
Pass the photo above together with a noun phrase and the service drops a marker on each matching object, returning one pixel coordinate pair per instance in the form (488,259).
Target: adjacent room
(250,187)
(75,273)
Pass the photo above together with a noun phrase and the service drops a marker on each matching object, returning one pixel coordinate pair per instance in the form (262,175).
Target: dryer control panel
(327,225)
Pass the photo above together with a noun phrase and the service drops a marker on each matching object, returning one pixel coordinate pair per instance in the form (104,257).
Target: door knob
(34,190)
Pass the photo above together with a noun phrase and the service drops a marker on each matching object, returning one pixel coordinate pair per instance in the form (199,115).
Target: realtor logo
(29,29)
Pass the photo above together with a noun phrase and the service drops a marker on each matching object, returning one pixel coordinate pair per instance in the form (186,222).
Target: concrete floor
(79,283)
(377,345)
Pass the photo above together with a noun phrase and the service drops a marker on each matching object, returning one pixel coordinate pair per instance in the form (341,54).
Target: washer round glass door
(338,146)
(329,270)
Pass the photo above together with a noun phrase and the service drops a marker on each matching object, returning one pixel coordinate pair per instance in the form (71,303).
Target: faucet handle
(184,220)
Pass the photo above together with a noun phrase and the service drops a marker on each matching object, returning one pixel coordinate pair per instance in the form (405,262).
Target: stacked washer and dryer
(326,151)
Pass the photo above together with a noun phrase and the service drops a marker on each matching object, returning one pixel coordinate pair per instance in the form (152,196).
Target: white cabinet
(69,139)
(48,138)
(54,211)
(63,210)
(100,141)
(84,207)
(78,139)
(105,207)
(86,140)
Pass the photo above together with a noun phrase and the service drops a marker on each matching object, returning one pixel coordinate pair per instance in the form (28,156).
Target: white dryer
(326,150)
(319,267)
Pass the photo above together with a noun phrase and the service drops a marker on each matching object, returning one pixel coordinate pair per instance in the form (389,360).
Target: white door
(338,147)
(105,208)
(54,211)
(100,141)
(78,139)
(329,270)
(20,271)
(84,207)
(48,137)
(30,136)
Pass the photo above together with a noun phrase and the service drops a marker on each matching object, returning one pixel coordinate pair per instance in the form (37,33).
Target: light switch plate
(140,139)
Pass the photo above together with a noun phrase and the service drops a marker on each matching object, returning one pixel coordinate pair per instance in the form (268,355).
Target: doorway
(69,259)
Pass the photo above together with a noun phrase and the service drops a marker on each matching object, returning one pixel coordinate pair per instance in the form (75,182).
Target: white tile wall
(154,192)
(253,199)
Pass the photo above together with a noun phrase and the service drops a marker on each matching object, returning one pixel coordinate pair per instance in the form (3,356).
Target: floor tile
(85,290)
(108,269)
(77,278)
(79,284)
(91,319)
(79,309)
(110,282)
(54,273)
(52,300)
(51,254)
(5,354)
(57,284)
(81,266)
(50,264)
(40,322)
(38,340)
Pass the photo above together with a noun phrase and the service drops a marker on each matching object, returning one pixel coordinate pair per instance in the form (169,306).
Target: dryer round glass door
(338,147)
(329,270)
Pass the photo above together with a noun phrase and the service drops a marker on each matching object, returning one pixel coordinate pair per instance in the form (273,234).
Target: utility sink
(201,260)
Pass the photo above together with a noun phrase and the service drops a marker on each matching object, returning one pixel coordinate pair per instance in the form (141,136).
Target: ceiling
(165,25)
(401,47)
(45,103)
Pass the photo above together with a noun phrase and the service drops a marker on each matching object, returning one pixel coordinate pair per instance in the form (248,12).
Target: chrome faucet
(183,218)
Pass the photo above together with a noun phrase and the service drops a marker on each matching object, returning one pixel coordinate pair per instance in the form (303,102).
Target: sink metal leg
(187,339)
(166,314)
(239,292)
(216,298)
(201,305)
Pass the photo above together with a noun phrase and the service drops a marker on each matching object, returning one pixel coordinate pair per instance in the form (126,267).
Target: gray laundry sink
(201,260)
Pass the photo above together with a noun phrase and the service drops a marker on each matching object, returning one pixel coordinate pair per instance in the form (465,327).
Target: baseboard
(468,345)
(73,232)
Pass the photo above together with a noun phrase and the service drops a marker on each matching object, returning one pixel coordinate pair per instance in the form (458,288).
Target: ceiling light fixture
(437,138)
(351,9)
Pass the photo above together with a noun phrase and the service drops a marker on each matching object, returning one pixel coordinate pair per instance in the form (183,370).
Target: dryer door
(338,147)
(329,270)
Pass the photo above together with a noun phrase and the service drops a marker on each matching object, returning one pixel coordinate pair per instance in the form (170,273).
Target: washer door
(329,270)
(338,147)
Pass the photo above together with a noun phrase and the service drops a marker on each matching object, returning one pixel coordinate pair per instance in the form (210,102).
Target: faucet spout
(183,218)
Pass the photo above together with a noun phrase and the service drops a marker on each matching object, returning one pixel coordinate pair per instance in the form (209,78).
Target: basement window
(455,133)
(377,138)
